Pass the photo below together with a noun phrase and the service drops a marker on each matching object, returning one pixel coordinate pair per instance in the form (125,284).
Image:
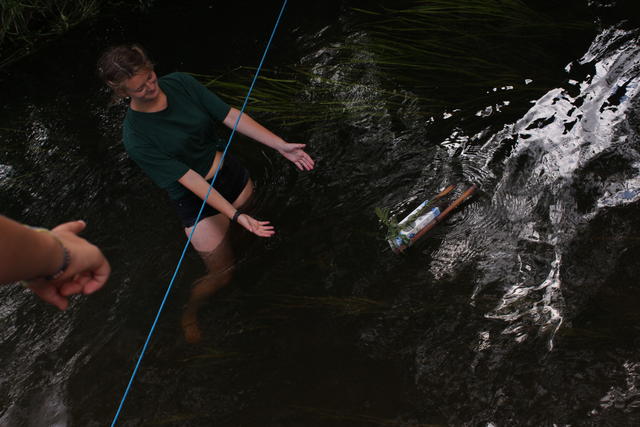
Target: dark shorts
(230,182)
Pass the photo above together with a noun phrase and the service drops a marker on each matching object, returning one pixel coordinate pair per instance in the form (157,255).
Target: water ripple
(535,206)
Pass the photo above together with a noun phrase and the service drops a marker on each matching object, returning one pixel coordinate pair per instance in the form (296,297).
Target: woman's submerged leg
(212,242)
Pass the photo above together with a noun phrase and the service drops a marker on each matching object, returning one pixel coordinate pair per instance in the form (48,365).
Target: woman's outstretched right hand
(259,228)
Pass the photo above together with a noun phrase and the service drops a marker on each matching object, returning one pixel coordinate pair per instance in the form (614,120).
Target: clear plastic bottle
(427,213)
(411,225)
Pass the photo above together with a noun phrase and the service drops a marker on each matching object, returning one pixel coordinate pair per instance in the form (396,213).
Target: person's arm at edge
(26,253)
(30,255)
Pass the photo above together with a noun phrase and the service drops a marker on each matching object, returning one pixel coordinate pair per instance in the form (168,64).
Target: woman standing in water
(170,132)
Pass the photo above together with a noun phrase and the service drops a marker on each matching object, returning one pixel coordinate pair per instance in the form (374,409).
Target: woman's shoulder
(178,77)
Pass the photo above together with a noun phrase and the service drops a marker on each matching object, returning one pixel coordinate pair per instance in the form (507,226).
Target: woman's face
(143,86)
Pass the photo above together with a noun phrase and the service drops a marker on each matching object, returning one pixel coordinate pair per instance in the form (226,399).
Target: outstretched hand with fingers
(296,154)
(259,228)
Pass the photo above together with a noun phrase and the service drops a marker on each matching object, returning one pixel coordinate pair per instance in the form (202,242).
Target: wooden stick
(444,192)
(440,217)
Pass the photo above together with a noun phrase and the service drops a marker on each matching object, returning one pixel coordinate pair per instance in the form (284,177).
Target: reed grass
(473,43)
(433,55)
(25,25)
(287,95)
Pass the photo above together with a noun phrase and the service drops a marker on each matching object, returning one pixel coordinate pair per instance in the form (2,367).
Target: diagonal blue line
(204,202)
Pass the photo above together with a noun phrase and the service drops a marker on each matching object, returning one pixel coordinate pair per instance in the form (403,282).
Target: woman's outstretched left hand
(296,154)
(259,228)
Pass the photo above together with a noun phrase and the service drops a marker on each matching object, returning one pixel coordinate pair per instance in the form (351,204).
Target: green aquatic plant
(391,222)
(29,24)
(393,226)
(413,62)
(295,97)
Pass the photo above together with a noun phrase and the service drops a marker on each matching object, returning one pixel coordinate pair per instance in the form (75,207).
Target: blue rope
(186,246)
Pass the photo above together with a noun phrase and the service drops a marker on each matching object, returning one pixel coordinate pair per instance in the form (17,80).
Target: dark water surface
(521,309)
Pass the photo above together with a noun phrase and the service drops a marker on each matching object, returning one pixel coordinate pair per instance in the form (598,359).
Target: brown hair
(120,63)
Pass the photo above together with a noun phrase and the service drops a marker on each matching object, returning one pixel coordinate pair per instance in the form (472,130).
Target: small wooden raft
(433,215)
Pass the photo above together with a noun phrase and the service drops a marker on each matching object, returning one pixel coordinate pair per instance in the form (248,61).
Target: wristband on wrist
(236,215)
(66,256)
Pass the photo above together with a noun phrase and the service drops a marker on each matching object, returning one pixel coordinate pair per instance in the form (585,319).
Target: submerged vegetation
(390,222)
(28,24)
(416,62)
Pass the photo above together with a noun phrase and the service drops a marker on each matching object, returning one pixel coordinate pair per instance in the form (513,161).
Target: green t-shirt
(167,143)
